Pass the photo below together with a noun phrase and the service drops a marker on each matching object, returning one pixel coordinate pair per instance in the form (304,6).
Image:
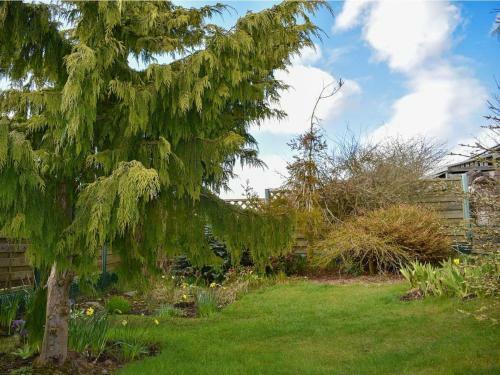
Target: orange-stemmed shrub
(384,239)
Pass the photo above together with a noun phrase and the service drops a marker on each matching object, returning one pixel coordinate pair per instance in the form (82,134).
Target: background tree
(94,152)
(307,172)
(311,151)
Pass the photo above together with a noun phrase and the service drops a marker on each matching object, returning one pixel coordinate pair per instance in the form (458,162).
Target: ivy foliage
(94,152)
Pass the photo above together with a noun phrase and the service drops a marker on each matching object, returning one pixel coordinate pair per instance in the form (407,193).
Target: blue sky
(412,68)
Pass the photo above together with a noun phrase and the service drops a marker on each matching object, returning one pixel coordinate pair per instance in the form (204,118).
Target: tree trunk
(55,339)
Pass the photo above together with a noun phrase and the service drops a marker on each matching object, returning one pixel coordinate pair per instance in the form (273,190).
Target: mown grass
(310,328)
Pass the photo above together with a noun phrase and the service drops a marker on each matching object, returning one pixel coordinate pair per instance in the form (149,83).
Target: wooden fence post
(104,260)
(466,207)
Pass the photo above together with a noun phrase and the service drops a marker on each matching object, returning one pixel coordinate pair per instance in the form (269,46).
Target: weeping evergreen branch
(93,151)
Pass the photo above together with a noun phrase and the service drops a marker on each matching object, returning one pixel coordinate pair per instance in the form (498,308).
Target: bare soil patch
(412,295)
(347,279)
(189,309)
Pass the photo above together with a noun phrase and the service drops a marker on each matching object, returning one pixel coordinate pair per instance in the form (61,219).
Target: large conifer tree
(94,152)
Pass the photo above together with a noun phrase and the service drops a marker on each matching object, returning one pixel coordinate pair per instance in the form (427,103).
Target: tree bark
(55,340)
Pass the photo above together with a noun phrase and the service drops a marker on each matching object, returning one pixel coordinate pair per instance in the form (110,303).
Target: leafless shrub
(366,176)
(384,239)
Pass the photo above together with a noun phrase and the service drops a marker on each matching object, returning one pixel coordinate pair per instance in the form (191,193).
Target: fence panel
(448,199)
(14,268)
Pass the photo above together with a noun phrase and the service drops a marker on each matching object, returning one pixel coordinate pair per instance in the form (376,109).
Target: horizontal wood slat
(13,262)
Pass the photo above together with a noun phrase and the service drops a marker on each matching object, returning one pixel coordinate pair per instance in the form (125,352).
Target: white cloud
(260,179)
(405,34)
(412,37)
(305,83)
(442,104)
(351,14)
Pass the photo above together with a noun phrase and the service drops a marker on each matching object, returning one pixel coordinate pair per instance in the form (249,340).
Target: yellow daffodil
(124,322)
(184,297)
(157,322)
(456,261)
(213,285)
(90,311)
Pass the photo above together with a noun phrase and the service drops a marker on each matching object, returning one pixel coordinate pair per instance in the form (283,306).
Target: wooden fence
(16,271)
(448,197)
(444,196)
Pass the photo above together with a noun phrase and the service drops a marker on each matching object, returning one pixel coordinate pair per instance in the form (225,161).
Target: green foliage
(132,344)
(472,276)
(206,303)
(26,370)
(117,305)
(167,311)
(24,351)
(132,350)
(93,285)
(93,151)
(290,264)
(384,239)
(9,305)
(35,317)
(88,333)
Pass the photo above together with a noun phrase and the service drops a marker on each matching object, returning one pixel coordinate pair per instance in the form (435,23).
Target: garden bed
(78,364)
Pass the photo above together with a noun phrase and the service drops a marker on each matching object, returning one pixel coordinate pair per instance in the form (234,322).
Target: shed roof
(482,162)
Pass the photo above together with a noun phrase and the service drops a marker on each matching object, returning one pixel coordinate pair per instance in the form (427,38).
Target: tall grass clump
(131,343)
(9,305)
(206,303)
(167,311)
(384,239)
(118,305)
(88,332)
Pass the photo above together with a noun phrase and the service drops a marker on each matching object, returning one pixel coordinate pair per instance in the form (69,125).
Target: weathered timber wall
(14,268)
(447,198)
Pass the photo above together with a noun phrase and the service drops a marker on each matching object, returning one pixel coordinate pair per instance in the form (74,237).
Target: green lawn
(310,328)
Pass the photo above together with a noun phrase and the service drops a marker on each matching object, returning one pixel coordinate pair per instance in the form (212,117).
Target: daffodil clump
(88,331)
(466,277)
